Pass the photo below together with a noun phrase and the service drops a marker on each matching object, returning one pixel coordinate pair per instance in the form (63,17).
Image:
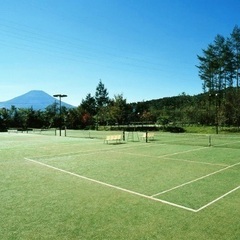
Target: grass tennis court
(76,187)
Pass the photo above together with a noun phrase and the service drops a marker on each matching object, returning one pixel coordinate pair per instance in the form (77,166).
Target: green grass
(39,202)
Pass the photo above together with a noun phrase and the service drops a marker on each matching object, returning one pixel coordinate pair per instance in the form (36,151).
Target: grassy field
(76,187)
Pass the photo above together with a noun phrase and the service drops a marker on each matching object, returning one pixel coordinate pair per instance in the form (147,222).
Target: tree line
(94,111)
(219,69)
(218,105)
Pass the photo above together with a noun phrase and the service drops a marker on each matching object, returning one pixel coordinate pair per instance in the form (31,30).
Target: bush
(174,129)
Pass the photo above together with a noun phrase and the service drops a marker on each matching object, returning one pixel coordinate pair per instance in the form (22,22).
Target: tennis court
(187,177)
(178,171)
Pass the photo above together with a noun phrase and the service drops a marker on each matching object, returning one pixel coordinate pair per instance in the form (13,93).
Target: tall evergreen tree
(235,44)
(207,68)
(101,95)
(219,67)
(219,47)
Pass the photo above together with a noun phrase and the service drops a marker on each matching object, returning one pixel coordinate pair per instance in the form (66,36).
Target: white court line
(112,186)
(197,179)
(206,163)
(217,199)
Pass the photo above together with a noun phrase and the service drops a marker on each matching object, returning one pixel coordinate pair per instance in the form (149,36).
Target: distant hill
(36,99)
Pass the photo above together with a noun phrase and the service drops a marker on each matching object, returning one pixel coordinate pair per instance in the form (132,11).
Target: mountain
(36,99)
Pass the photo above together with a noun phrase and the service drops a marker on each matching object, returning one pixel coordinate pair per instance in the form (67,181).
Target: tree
(74,118)
(213,65)
(102,101)
(235,46)
(89,104)
(4,119)
(219,69)
(101,96)
(51,115)
(207,68)
(220,64)
(118,110)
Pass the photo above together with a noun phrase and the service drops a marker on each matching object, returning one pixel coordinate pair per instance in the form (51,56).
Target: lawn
(77,187)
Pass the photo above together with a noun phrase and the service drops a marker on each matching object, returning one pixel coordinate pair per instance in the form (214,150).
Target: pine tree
(101,95)
(235,46)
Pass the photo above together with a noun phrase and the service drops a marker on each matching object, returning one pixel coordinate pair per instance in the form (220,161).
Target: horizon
(142,49)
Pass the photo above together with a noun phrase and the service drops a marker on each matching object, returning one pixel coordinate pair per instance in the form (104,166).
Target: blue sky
(143,49)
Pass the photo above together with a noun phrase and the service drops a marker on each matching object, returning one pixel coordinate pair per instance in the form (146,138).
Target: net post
(146,136)
(123,135)
(209,140)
